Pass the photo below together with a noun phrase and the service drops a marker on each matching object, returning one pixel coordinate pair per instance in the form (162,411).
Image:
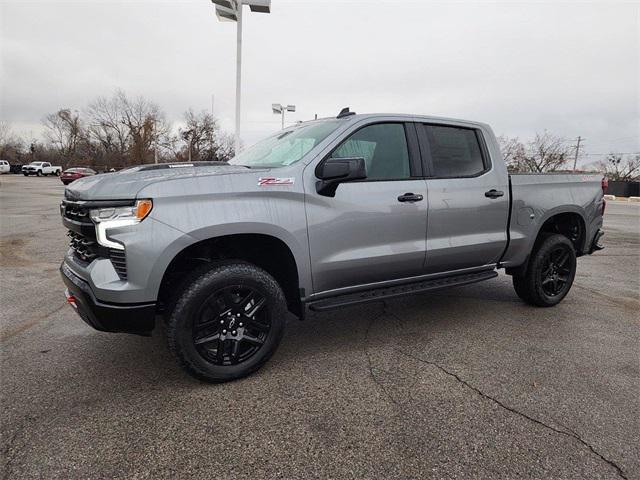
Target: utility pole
(575,159)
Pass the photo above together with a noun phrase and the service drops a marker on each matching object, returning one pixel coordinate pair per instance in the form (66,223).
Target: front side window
(455,151)
(384,149)
(287,147)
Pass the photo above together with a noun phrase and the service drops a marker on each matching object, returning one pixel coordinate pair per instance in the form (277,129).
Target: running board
(383,293)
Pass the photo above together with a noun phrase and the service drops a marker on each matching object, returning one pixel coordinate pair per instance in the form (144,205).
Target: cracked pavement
(463,383)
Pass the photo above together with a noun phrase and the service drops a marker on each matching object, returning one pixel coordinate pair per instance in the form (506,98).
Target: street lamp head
(258,6)
(230,4)
(291,108)
(276,107)
(226,15)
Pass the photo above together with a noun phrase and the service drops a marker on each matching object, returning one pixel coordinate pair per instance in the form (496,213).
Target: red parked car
(72,174)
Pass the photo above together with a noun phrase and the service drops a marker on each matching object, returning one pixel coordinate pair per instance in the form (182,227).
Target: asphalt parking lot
(465,383)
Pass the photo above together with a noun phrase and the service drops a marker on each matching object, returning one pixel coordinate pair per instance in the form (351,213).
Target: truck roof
(405,117)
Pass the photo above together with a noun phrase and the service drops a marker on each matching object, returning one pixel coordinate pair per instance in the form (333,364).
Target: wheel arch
(558,220)
(265,250)
(569,222)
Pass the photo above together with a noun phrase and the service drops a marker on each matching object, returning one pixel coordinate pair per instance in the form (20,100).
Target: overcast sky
(572,68)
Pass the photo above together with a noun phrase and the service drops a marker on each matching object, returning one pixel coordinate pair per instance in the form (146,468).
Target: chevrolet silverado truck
(326,214)
(40,168)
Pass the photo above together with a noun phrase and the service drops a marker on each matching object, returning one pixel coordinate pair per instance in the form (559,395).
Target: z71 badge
(268,181)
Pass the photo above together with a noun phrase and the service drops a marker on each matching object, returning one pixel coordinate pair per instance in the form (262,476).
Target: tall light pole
(231,10)
(280,109)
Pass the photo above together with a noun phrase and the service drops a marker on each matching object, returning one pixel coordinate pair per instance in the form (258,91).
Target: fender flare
(299,252)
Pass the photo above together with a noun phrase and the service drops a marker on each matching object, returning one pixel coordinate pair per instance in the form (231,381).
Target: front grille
(119,261)
(83,237)
(84,248)
(76,213)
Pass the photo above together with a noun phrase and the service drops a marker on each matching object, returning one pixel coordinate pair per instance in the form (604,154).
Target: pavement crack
(27,325)
(370,364)
(568,432)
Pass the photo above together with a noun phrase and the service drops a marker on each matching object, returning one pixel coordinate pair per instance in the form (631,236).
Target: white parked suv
(4,166)
(40,168)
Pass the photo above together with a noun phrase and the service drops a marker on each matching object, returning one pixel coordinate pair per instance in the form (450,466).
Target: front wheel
(38,173)
(550,273)
(227,322)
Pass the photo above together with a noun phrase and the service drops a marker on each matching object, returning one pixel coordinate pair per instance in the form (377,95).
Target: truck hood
(126,184)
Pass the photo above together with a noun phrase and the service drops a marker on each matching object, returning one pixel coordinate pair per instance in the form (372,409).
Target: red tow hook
(71,300)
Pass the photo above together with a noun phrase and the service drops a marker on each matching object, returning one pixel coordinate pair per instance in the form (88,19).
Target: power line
(611,153)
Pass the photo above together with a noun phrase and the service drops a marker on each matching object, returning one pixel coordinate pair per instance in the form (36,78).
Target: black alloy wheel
(232,325)
(226,320)
(556,271)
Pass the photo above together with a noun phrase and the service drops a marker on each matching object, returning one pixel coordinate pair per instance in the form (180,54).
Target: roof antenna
(345,113)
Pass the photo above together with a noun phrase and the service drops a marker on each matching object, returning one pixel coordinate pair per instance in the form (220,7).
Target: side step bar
(399,290)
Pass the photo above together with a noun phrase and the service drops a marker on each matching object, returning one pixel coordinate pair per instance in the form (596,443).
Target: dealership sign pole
(231,10)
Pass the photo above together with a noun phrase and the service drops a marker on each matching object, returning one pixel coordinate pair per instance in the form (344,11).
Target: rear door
(468,198)
(372,230)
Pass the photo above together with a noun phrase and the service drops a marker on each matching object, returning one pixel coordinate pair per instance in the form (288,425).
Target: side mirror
(334,171)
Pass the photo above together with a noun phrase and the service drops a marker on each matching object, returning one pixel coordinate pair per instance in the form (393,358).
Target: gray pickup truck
(326,214)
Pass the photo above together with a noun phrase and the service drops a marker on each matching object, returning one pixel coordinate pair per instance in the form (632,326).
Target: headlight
(114,217)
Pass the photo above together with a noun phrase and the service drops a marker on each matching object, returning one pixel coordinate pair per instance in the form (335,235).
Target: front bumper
(107,317)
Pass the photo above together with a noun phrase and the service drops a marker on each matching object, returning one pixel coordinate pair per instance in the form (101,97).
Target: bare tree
(545,153)
(105,126)
(513,153)
(204,138)
(147,126)
(64,131)
(199,135)
(617,167)
(226,146)
(11,145)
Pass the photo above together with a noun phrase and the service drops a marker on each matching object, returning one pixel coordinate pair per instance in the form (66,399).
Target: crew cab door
(374,229)
(468,198)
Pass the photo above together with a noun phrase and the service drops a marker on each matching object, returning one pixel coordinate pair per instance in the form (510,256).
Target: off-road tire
(529,286)
(196,291)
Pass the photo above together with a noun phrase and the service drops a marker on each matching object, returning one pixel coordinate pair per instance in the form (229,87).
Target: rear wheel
(227,322)
(550,272)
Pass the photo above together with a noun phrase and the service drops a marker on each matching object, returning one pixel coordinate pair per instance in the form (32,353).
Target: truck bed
(535,197)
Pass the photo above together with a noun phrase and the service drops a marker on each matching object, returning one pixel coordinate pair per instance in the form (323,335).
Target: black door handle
(493,193)
(410,197)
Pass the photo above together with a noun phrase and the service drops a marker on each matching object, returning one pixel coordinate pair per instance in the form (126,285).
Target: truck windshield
(286,147)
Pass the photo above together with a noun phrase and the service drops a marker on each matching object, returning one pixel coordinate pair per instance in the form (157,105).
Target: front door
(468,199)
(371,230)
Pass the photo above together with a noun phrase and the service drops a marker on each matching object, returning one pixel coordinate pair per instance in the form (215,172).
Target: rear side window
(384,149)
(455,151)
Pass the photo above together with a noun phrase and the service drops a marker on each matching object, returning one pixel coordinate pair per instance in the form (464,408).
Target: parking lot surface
(463,383)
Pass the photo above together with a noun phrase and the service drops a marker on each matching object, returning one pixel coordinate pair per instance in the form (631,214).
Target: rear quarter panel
(538,197)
